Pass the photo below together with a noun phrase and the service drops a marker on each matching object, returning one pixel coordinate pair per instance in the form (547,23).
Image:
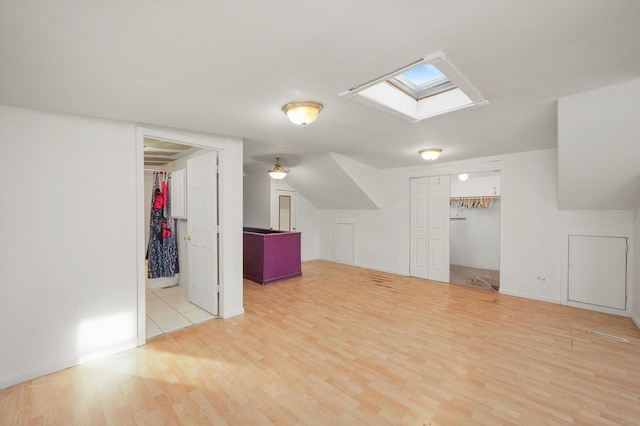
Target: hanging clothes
(162,251)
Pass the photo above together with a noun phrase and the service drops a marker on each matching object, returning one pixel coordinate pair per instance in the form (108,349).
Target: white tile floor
(169,309)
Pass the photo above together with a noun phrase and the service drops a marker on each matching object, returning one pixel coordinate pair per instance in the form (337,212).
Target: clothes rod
(158,170)
(491,197)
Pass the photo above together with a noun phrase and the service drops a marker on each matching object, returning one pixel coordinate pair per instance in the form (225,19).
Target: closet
(474,229)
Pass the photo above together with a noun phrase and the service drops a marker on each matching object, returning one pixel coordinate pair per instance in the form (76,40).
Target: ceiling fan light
(430,153)
(302,112)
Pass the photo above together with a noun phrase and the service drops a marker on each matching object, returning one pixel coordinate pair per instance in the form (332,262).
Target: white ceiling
(227,67)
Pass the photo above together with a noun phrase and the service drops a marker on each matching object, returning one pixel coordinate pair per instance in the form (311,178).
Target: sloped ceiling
(327,184)
(599,149)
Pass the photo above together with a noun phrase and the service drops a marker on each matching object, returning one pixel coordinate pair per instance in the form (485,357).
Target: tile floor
(169,309)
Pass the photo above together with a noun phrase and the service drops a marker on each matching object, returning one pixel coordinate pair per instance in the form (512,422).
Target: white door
(419,266)
(598,271)
(439,228)
(202,200)
(345,241)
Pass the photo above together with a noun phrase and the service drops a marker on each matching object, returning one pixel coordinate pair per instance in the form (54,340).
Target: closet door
(345,243)
(439,228)
(419,249)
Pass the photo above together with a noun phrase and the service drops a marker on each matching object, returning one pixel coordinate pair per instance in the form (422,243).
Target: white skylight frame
(382,94)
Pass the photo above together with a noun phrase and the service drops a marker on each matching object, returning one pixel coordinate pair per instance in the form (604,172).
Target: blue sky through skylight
(424,74)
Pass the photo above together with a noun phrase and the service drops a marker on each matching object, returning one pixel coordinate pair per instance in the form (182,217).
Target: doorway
(283,213)
(474,212)
(190,297)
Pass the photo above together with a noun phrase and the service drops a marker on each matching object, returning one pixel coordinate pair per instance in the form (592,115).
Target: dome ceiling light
(430,153)
(278,172)
(302,112)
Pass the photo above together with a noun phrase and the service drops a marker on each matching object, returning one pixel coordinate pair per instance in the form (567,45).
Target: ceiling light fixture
(463,176)
(302,112)
(278,172)
(430,153)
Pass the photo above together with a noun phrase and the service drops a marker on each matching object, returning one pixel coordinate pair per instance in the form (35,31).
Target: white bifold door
(430,228)
(202,226)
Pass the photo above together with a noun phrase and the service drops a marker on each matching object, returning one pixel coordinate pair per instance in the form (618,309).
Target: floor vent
(608,336)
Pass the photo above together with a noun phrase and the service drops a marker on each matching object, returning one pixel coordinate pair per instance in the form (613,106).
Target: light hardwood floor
(482,279)
(343,345)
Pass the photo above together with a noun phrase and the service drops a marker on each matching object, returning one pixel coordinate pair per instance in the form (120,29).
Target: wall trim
(598,232)
(233,313)
(63,364)
(635,320)
(530,296)
(388,271)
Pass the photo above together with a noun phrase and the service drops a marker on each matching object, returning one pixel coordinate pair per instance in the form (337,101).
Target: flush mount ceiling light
(278,172)
(424,88)
(430,153)
(302,112)
(463,176)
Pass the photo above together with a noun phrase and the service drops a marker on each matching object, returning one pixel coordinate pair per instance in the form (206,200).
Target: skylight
(423,74)
(422,81)
(423,89)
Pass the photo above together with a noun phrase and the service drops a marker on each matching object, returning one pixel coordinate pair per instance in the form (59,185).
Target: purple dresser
(270,255)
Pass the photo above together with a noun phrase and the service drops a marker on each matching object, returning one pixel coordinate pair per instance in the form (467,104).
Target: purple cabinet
(270,255)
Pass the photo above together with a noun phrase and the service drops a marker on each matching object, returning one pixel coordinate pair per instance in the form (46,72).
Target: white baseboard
(388,271)
(62,364)
(635,320)
(163,282)
(530,296)
(373,268)
(233,313)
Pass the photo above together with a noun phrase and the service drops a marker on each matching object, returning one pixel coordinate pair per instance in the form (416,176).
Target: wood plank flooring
(347,346)
(482,279)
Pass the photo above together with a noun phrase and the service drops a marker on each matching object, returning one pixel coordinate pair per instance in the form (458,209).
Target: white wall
(306,219)
(531,223)
(68,260)
(257,199)
(475,241)
(381,236)
(71,239)
(230,218)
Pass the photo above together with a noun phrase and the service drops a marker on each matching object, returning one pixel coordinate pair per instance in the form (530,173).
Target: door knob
(187,237)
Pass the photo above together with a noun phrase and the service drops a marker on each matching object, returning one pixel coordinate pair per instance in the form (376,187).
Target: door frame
(184,139)
(596,232)
(275,208)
